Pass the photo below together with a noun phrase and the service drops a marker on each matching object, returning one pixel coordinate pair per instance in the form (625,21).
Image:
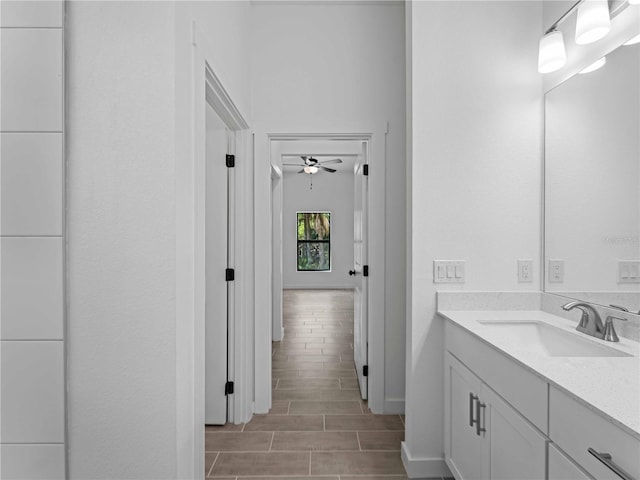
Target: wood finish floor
(318,425)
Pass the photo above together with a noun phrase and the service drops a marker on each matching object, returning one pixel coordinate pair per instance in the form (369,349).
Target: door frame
(376,137)
(204,87)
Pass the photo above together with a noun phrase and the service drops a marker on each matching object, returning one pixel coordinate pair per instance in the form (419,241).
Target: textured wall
(121,264)
(476,141)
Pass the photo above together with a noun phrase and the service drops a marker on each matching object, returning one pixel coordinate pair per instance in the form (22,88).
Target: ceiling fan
(312,165)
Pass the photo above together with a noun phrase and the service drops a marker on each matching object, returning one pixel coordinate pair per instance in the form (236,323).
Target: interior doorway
(324,190)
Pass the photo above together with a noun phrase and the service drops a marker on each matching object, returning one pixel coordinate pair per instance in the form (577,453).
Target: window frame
(324,241)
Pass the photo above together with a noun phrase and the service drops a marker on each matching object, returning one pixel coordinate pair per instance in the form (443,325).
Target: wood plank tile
(271,463)
(309,383)
(381,440)
(288,423)
(326,441)
(325,407)
(237,441)
(356,463)
(345,423)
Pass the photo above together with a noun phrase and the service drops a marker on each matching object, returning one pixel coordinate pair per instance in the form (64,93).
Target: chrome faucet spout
(590,321)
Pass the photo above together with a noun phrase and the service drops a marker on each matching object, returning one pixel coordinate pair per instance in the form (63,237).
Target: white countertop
(608,385)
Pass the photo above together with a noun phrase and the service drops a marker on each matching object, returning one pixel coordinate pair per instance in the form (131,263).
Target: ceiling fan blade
(335,160)
(327,169)
(301,171)
(305,159)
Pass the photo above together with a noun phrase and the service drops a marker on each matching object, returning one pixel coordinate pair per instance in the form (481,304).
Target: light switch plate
(556,271)
(525,271)
(448,271)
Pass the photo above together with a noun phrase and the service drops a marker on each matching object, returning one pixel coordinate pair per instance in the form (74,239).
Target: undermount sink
(550,340)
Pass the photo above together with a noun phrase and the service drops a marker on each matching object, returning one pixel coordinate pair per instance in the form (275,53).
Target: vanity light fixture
(594,66)
(633,41)
(593,21)
(551,55)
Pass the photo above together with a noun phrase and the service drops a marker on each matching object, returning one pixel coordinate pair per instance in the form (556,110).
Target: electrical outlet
(448,271)
(629,271)
(525,271)
(556,271)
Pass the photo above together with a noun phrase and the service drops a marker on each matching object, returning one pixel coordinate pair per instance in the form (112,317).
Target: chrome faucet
(590,322)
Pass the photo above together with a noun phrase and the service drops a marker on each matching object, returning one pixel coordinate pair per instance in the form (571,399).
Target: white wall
(129,143)
(32,229)
(476,155)
(331,193)
(121,253)
(320,67)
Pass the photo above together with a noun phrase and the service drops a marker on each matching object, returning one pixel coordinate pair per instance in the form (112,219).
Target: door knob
(352,272)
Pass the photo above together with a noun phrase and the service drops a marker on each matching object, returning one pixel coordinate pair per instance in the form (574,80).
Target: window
(314,241)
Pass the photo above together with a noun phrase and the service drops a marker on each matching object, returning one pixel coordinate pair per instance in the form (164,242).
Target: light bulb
(595,66)
(593,21)
(552,55)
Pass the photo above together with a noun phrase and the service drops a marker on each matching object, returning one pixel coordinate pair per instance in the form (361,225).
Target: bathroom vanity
(528,397)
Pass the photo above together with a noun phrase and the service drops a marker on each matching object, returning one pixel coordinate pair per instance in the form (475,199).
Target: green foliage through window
(314,241)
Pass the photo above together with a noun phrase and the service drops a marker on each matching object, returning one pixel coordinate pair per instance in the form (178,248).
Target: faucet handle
(610,332)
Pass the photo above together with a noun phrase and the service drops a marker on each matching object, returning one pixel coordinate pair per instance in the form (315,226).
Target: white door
(216,295)
(360,270)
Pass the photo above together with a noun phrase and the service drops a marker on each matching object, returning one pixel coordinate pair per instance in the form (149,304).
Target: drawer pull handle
(472,398)
(480,429)
(607,460)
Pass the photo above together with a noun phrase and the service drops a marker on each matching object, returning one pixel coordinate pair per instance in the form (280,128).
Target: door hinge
(230,160)
(365,270)
(230,274)
(228,388)
(365,370)
(365,169)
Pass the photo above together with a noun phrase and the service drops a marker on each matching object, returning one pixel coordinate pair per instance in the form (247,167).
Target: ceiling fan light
(310,169)
(552,55)
(593,21)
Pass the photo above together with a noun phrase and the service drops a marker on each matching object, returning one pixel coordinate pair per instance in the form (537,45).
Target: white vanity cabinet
(485,437)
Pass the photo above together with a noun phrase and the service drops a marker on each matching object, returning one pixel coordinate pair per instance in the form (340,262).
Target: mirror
(592,184)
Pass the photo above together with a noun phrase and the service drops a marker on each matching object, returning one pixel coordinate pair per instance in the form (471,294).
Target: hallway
(318,425)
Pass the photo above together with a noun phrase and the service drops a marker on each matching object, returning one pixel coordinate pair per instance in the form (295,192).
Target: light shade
(634,40)
(593,21)
(552,55)
(634,2)
(310,169)
(595,65)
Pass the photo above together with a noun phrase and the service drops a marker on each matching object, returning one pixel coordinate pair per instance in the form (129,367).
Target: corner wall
(476,156)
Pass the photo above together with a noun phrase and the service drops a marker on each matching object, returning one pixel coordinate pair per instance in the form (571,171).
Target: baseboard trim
(318,287)
(423,467)
(394,406)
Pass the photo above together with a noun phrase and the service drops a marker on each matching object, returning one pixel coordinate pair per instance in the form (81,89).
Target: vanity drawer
(525,391)
(576,428)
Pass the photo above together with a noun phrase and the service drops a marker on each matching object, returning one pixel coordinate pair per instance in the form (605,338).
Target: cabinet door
(463,446)
(561,468)
(516,449)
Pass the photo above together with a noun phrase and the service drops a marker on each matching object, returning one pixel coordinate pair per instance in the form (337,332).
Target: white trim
(423,467)
(394,406)
(203,83)
(318,287)
(263,251)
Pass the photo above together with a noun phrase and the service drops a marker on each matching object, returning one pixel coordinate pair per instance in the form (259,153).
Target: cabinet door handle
(472,398)
(480,429)
(608,461)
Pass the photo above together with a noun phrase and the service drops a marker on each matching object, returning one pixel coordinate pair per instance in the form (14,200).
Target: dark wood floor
(318,426)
